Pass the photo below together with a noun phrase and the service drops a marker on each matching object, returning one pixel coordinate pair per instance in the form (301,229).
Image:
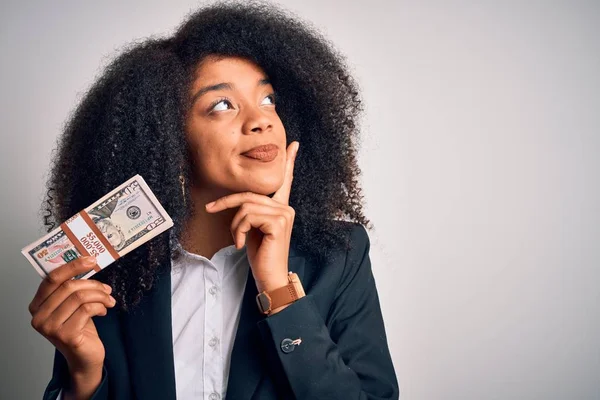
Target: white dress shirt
(206,299)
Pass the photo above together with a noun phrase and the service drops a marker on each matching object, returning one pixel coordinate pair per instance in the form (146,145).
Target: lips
(265,153)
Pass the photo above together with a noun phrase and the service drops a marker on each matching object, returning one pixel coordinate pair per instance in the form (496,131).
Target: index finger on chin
(283,193)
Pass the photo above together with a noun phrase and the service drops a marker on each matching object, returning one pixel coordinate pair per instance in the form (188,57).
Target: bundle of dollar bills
(122,220)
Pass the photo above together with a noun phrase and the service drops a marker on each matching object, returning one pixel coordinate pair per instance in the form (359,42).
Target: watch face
(264,302)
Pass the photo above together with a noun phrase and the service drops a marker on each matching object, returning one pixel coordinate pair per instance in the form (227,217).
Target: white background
(481,173)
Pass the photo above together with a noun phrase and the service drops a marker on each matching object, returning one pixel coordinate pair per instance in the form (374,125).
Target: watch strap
(283,295)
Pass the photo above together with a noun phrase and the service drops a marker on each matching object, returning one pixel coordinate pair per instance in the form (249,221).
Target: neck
(205,233)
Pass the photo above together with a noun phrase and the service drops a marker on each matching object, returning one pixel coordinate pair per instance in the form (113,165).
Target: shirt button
(212,290)
(287,345)
(213,342)
(214,396)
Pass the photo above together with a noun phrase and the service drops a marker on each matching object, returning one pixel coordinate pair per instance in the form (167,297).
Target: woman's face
(233,111)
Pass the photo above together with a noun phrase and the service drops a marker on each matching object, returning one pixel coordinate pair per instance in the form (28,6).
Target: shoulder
(357,265)
(352,242)
(351,238)
(356,237)
(348,263)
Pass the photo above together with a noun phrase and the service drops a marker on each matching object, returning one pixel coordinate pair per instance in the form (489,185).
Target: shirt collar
(224,252)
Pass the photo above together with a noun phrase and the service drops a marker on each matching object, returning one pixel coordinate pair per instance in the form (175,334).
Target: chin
(264,186)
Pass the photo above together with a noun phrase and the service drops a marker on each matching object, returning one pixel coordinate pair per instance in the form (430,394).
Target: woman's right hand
(62,312)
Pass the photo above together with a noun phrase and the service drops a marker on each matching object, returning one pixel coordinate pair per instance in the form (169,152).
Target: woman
(243,124)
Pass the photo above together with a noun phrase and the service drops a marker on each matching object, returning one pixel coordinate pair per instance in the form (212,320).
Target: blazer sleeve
(346,357)
(60,380)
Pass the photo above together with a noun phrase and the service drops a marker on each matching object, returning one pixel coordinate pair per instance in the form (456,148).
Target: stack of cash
(118,223)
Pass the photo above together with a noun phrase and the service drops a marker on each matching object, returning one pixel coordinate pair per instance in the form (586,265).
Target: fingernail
(88,260)
(113,300)
(107,288)
(209,205)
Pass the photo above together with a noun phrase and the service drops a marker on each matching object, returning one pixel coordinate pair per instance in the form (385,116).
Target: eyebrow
(223,86)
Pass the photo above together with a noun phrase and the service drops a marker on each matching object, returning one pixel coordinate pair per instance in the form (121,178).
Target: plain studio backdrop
(480,155)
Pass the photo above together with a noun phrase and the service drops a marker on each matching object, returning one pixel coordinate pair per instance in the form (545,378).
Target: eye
(270,98)
(220,105)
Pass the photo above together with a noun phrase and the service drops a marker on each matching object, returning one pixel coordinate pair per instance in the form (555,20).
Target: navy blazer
(343,355)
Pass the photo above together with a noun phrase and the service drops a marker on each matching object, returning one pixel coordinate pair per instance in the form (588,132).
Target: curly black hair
(131,121)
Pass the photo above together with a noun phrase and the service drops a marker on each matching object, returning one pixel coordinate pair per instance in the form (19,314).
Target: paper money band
(100,235)
(88,240)
(73,239)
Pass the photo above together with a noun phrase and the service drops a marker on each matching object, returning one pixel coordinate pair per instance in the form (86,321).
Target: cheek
(211,153)
(211,158)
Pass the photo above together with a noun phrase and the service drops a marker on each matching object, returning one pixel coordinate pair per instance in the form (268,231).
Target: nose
(256,122)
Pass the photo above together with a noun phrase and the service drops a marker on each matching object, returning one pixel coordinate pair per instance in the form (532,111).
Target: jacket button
(287,346)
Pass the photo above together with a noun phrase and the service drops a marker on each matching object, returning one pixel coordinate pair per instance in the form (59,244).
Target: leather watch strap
(269,301)
(282,296)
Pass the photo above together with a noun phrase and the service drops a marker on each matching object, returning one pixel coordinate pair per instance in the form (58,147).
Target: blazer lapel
(149,342)
(249,354)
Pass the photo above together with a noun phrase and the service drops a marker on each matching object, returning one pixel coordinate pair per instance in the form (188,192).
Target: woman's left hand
(265,225)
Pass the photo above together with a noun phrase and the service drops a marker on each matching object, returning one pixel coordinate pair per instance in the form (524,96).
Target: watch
(268,301)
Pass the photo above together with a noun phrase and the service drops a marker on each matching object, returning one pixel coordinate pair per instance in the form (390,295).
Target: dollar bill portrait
(112,232)
(244,122)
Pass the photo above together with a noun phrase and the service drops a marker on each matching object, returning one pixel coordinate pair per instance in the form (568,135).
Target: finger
(76,300)
(253,208)
(70,330)
(269,225)
(282,195)
(237,199)
(58,276)
(66,289)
